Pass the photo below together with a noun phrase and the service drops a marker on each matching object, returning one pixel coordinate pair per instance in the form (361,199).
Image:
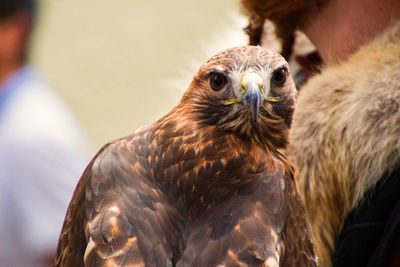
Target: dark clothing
(371,233)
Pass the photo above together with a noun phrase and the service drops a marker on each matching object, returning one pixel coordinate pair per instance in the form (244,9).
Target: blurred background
(122,64)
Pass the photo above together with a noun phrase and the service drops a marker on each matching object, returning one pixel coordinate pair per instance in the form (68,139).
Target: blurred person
(345,137)
(42,151)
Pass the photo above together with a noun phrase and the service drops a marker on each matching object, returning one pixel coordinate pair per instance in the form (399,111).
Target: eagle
(205,185)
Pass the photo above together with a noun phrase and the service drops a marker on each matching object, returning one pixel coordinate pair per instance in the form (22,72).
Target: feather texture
(191,191)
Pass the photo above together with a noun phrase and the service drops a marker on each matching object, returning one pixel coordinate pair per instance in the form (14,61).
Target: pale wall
(121,64)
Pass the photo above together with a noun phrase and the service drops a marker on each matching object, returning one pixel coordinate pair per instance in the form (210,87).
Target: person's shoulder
(351,96)
(35,112)
(35,126)
(373,69)
(350,111)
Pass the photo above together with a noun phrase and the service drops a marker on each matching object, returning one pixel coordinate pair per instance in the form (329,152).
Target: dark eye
(279,76)
(217,81)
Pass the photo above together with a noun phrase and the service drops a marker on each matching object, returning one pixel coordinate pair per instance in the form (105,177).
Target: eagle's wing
(299,248)
(259,227)
(244,231)
(117,216)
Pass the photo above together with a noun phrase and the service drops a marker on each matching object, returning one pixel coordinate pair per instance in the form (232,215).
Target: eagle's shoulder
(96,200)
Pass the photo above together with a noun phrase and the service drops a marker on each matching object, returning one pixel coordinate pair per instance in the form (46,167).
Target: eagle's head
(247,91)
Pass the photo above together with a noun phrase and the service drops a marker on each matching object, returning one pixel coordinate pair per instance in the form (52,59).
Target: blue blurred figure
(42,151)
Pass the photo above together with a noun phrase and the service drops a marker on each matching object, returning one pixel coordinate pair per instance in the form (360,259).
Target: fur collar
(346,135)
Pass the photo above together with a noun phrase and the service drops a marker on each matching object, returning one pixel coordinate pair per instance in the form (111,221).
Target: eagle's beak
(252,86)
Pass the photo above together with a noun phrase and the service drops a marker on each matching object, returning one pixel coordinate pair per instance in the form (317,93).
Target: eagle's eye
(279,76)
(217,81)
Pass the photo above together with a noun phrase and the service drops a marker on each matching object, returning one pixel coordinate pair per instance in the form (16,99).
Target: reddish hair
(287,15)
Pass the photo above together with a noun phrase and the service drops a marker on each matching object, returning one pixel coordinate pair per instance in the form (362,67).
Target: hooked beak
(252,85)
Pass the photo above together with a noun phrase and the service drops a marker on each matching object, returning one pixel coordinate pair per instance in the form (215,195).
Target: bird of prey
(205,185)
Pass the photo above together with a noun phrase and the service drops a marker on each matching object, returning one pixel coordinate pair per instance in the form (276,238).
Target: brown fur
(346,135)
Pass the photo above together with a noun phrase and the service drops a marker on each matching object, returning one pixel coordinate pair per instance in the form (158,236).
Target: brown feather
(193,189)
